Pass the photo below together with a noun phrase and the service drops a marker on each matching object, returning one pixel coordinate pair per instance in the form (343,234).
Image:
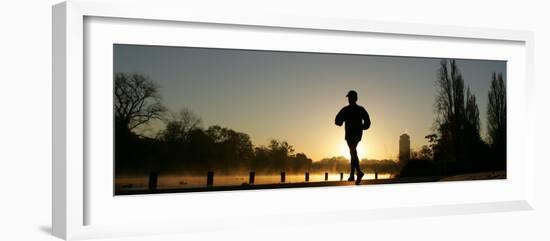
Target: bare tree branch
(136,100)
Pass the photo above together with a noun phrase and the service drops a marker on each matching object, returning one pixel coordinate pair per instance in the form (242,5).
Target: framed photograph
(180,121)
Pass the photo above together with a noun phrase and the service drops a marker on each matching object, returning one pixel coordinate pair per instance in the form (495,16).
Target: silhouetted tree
(424,153)
(136,100)
(280,151)
(459,145)
(432,140)
(197,151)
(332,164)
(450,112)
(277,156)
(450,97)
(262,160)
(179,125)
(475,147)
(300,163)
(232,150)
(496,117)
(472,116)
(496,110)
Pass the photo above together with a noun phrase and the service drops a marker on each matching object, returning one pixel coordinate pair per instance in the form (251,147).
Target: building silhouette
(404,147)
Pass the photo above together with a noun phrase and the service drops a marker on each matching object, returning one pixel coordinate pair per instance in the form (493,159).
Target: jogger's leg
(354,162)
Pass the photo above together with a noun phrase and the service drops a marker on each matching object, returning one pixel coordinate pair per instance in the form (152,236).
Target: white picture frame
(75,201)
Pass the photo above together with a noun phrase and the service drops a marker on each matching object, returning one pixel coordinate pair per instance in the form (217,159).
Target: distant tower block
(404,147)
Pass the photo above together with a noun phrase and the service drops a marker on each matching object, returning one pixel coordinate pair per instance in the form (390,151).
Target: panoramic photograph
(190,119)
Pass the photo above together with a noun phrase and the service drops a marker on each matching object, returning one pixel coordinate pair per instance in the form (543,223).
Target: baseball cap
(351,93)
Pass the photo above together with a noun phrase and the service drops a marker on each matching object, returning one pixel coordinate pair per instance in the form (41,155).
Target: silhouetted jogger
(356,119)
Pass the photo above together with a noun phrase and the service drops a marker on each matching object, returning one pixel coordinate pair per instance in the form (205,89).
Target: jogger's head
(352,96)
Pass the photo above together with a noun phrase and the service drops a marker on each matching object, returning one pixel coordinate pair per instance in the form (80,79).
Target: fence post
(307,176)
(251,178)
(341,176)
(283,177)
(376,175)
(326,176)
(210,179)
(153,180)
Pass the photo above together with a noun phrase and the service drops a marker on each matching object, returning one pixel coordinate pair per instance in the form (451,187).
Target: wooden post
(326,176)
(376,176)
(153,180)
(283,177)
(251,178)
(210,179)
(307,176)
(341,176)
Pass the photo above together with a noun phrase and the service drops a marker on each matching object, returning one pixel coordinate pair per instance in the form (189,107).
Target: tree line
(184,146)
(457,145)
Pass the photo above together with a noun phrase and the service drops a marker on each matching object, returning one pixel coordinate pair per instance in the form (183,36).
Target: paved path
(281,185)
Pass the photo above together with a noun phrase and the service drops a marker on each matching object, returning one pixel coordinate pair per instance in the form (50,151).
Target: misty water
(192,181)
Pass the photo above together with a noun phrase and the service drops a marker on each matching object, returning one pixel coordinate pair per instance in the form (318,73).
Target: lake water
(183,181)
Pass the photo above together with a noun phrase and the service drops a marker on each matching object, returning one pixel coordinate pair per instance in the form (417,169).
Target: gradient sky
(295,96)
